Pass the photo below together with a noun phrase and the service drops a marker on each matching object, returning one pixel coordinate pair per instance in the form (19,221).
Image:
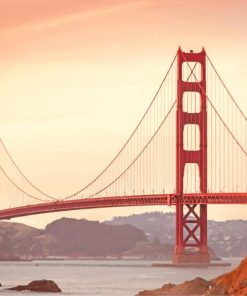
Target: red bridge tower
(191,220)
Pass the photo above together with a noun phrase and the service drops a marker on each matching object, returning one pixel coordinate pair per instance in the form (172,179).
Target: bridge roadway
(123,201)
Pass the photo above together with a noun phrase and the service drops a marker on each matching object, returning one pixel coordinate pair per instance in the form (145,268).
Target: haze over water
(103,278)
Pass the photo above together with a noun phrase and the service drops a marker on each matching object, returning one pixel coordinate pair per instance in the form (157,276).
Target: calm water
(104,278)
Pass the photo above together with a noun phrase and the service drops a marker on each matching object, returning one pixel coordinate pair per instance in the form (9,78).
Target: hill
(148,236)
(67,237)
(227,238)
(16,239)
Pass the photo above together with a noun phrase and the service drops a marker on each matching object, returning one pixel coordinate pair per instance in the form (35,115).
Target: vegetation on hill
(67,237)
(148,236)
(16,239)
(227,238)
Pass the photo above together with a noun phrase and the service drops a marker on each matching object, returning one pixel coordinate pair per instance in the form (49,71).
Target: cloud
(78,13)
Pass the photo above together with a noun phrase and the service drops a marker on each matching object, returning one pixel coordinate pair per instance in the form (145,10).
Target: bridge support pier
(191,236)
(191,219)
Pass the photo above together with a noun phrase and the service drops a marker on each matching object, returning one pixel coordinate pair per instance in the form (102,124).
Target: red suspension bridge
(188,150)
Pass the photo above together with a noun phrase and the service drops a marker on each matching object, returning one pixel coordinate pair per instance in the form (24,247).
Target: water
(99,277)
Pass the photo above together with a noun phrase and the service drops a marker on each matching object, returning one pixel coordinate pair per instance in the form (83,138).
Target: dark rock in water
(38,286)
(18,288)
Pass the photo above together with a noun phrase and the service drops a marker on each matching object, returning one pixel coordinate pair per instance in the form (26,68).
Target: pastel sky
(77,75)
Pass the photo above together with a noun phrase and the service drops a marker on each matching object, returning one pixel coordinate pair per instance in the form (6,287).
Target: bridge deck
(124,201)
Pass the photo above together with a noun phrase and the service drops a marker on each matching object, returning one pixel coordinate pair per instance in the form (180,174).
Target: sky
(77,75)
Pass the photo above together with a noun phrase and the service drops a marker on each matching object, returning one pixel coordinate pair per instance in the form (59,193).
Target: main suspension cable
(217,113)
(19,170)
(138,156)
(234,101)
(19,188)
(128,140)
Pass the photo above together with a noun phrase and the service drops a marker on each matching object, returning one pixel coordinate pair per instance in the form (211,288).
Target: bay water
(100,277)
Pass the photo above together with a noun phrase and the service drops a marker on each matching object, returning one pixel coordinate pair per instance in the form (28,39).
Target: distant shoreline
(97,259)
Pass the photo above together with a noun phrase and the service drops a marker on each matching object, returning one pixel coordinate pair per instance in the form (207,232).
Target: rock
(196,287)
(234,282)
(215,291)
(18,288)
(231,284)
(38,286)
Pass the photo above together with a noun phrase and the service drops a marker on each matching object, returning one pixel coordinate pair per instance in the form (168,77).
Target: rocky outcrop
(234,282)
(198,286)
(38,286)
(231,284)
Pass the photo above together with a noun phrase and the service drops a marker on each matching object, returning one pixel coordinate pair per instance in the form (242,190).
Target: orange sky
(71,69)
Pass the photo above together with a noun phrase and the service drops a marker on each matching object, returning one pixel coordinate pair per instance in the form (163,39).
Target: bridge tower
(191,220)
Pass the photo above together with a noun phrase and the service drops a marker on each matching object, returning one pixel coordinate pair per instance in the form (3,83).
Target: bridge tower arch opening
(191,219)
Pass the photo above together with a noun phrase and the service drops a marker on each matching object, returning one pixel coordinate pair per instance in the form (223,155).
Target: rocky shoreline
(233,283)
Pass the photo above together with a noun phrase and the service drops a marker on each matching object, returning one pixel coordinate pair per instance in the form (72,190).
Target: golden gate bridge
(188,150)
